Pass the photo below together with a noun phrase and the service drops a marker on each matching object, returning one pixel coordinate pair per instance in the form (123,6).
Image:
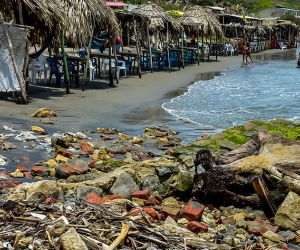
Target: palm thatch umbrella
(157,19)
(203,17)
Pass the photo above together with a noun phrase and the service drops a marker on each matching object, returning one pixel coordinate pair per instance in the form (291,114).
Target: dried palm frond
(196,16)
(157,18)
(78,17)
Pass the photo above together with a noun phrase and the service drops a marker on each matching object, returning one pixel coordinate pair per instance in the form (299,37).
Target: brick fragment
(85,147)
(192,211)
(151,212)
(94,198)
(142,194)
(197,227)
(22,168)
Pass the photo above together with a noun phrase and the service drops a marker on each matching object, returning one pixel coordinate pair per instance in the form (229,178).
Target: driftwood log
(229,179)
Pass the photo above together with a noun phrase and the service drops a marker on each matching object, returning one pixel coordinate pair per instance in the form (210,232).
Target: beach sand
(133,104)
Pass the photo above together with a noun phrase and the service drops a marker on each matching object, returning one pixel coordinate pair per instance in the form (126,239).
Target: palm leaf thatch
(195,16)
(77,17)
(157,18)
(82,16)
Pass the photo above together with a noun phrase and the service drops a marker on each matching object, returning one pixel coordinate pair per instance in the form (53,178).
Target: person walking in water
(247,52)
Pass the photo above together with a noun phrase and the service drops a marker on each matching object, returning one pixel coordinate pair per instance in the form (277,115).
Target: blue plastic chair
(54,70)
(145,60)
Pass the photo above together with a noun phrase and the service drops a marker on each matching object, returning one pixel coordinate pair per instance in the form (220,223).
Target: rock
(151,182)
(61,158)
(274,237)
(136,140)
(170,207)
(166,170)
(57,229)
(287,216)
(218,136)
(43,112)
(22,242)
(124,137)
(51,163)
(249,125)
(117,149)
(47,188)
(124,185)
(38,130)
(72,241)
(83,165)
(17,174)
(228,145)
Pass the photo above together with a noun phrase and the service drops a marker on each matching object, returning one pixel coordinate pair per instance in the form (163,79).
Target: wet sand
(133,104)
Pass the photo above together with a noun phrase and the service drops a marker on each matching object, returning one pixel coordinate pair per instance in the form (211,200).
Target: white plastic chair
(121,66)
(39,65)
(282,45)
(92,70)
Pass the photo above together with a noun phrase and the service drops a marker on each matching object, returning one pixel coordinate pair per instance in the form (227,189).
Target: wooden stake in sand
(11,52)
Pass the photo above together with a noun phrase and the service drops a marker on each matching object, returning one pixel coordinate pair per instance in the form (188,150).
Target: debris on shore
(105,189)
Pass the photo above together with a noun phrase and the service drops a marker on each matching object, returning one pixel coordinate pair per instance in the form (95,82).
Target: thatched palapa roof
(78,17)
(157,18)
(195,16)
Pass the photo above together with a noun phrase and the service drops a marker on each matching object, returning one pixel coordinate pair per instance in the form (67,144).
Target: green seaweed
(236,138)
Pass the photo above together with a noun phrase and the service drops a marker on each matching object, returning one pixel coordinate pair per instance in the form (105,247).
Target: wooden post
(11,52)
(65,62)
(198,60)
(137,48)
(202,51)
(87,61)
(149,45)
(20,7)
(182,55)
(111,83)
(168,52)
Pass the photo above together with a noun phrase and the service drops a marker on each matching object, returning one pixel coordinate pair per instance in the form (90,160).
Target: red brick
(50,201)
(76,168)
(111,155)
(152,202)
(85,147)
(263,230)
(192,211)
(197,227)
(28,175)
(106,138)
(94,198)
(151,212)
(92,164)
(22,168)
(143,194)
(68,171)
(65,153)
(112,197)
(135,211)
(25,158)
(37,170)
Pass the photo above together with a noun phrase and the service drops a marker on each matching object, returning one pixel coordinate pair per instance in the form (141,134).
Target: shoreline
(130,106)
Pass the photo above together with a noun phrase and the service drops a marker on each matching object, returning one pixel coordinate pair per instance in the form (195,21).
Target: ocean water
(267,90)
